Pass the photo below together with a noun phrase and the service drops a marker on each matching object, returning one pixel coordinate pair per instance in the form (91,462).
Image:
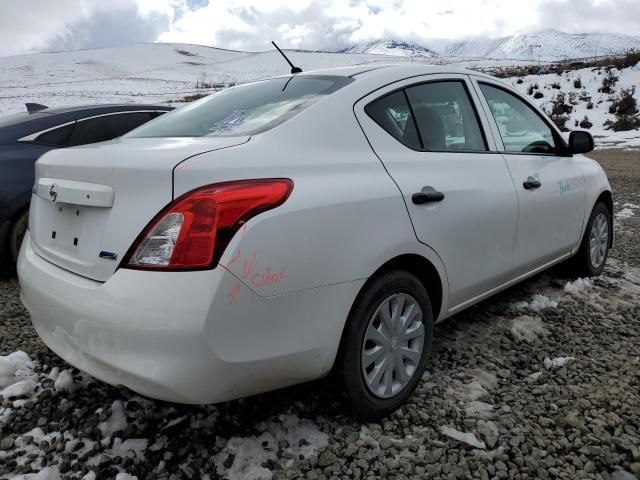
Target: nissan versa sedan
(26,136)
(324,221)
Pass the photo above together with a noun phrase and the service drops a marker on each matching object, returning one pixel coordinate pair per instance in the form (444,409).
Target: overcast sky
(46,25)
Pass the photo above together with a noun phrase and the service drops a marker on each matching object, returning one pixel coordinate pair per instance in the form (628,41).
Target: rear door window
(392,113)
(107,127)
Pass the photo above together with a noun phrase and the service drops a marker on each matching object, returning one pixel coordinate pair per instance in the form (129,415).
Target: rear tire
(16,235)
(594,249)
(391,321)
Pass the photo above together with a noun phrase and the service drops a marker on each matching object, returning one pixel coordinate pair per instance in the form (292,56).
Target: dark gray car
(24,137)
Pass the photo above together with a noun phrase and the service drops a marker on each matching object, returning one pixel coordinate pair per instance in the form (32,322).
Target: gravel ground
(541,381)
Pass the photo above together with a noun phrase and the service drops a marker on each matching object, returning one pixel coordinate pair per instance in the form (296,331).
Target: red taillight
(193,231)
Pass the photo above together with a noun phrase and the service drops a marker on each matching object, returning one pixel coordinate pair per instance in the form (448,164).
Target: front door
(550,186)
(459,194)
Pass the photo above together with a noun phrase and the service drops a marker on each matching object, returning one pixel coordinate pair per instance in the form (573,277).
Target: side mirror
(580,142)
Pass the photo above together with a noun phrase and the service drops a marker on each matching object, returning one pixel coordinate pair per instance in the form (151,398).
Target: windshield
(243,110)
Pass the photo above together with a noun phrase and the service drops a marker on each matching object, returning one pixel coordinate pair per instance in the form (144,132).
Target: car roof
(387,69)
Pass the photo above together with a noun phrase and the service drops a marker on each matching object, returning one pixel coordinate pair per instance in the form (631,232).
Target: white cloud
(42,24)
(312,24)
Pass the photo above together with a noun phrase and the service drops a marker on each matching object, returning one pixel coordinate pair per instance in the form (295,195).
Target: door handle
(427,195)
(531,183)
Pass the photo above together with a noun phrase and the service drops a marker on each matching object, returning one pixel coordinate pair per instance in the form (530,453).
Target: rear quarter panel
(344,219)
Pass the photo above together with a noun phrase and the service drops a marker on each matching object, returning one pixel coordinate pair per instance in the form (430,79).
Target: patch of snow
(125,476)
(304,438)
(528,328)
(578,285)
(64,381)
(556,362)
(250,453)
(537,304)
(468,438)
(625,213)
(14,368)
(116,422)
(19,389)
(129,448)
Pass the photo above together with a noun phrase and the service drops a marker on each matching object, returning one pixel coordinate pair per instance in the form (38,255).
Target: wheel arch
(424,270)
(433,280)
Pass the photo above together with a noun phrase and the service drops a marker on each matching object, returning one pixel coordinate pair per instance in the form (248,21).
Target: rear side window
(521,128)
(445,117)
(244,110)
(108,127)
(392,113)
(57,137)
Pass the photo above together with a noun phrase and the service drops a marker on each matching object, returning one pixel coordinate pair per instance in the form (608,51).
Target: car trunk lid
(90,203)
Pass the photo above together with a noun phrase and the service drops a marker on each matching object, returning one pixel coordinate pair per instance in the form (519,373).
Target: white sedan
(276,231)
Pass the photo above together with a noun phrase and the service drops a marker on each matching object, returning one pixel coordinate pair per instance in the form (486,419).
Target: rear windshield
(243,110)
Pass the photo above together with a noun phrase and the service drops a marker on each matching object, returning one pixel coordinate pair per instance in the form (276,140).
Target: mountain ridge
(546,45)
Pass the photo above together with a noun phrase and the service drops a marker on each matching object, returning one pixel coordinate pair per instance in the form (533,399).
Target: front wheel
(594,249)
(386,343)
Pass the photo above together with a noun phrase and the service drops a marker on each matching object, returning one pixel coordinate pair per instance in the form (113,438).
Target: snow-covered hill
(580,89)
(397,48)
(555,45)
(155,72)
(549,45)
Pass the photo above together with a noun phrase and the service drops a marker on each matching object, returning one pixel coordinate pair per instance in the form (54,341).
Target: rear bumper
(176,337)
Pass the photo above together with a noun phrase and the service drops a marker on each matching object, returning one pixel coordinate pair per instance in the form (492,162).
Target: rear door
(459,193)
(550,185)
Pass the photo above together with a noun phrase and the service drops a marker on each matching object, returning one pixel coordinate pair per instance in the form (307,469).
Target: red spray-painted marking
(234,293)
(234,259)
(268,278)
(258,280)
(249,266)
(243,231)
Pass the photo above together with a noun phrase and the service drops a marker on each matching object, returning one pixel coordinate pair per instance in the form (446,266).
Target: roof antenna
(294,69)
